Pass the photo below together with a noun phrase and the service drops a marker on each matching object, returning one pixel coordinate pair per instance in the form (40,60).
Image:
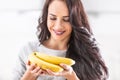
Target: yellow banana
(43,64)
(55,59)
(49,62)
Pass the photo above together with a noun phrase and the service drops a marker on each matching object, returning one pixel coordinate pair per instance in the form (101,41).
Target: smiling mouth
(58,32)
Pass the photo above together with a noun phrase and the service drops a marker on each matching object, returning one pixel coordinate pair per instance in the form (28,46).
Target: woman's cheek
(50,24)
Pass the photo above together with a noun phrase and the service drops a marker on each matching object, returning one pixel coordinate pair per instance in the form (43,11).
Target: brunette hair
(82,45)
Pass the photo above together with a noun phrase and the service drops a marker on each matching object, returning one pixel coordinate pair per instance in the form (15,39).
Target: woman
(64,31)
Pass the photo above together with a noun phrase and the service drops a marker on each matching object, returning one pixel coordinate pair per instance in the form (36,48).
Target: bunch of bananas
(49,62)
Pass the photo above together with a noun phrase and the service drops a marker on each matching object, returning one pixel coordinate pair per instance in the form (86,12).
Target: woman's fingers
(66,67)
(32,67)
(28,62)
(49,71)
(36,70)
(41,72)
(33,71)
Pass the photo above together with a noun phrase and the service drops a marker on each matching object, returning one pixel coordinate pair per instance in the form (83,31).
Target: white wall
(102,5)
(18,22)
(106,30)
(15,30)
(20,4)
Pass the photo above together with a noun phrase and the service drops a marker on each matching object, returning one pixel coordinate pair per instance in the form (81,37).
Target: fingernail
(47,69)
(62,64)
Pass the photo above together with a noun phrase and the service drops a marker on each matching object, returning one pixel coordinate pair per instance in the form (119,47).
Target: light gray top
(20,66)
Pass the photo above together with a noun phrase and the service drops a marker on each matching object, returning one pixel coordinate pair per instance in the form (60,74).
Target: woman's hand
(32,72)
(68,72)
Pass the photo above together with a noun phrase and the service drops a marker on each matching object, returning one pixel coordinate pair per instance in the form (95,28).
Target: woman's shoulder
(28,48)
(33,45)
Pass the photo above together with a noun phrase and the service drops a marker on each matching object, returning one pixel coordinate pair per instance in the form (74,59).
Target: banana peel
(45,61)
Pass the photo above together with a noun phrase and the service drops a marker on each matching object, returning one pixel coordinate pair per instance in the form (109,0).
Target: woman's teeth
(59,32)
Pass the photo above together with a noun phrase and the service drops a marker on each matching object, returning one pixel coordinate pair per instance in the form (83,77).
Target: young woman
(63,31)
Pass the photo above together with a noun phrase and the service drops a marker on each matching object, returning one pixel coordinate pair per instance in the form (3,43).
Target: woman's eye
(52,18)
(66,20)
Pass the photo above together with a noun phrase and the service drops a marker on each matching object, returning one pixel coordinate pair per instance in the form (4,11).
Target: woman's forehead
(58,7)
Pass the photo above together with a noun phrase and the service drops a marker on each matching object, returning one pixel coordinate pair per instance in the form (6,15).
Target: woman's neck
(57,45)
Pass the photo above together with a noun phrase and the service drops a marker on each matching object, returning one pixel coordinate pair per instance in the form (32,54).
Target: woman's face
(58,21)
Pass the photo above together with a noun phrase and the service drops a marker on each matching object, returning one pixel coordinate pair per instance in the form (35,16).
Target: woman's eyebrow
(55,15)
(52,14)
(66,16)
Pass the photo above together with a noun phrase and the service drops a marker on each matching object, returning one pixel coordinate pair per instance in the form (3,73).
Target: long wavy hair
(82,45)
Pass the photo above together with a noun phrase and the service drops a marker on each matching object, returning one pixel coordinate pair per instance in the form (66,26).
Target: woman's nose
(58,25)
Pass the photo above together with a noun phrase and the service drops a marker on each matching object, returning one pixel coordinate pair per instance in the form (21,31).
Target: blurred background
(19,19)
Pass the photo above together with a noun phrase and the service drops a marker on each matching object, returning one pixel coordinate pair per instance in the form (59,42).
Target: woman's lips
(58,32)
